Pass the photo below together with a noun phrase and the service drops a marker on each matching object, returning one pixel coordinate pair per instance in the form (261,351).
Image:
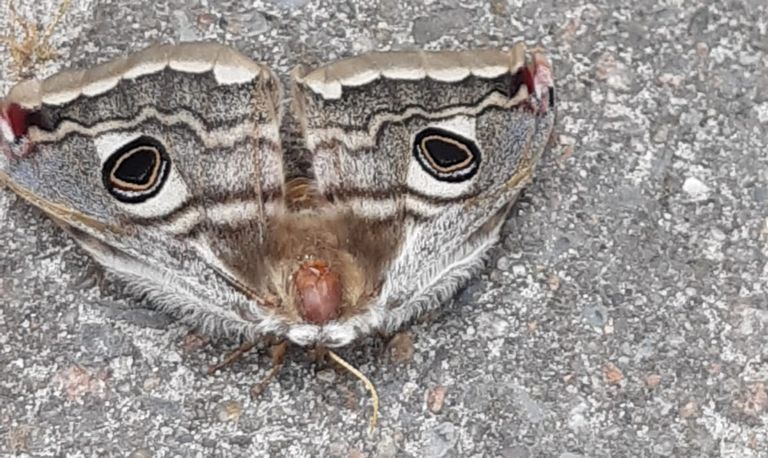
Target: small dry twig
(34,48)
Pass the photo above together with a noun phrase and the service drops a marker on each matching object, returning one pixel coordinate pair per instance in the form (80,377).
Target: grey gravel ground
(625,313)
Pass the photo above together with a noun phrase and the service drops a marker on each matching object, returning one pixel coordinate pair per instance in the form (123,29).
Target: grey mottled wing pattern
(165,165)
(435,144)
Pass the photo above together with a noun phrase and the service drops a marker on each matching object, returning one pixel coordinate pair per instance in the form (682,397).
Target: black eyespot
(445,155)
(137,170)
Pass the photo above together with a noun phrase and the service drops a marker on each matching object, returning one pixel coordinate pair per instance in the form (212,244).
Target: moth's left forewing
(434,146)
(166,166)
(212,106)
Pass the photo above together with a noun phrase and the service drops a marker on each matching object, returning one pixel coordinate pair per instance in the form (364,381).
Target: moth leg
(278,359)
(232,357)
(319,355)
(382,339)
(93,275)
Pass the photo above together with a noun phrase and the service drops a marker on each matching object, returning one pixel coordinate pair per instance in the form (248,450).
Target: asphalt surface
(624,314)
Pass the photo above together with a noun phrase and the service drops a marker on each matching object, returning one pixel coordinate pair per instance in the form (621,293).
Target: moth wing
(433,146)
(164,164)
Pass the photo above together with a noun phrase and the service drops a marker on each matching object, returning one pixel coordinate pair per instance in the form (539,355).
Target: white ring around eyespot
(420,180)
(172,195)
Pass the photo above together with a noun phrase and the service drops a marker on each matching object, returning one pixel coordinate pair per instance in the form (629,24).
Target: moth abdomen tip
(320,292)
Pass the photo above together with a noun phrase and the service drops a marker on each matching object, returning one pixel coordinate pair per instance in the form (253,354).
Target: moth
(167,167)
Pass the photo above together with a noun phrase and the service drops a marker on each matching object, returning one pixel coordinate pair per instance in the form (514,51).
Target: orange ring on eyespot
(446,155)
(137,170)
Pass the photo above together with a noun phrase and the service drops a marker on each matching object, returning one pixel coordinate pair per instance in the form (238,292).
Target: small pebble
(612,374)
(229,411)
(652,381)
(400,347)
(436,398)
(696,189)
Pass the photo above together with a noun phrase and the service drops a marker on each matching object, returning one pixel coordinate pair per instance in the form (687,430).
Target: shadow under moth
(167,167)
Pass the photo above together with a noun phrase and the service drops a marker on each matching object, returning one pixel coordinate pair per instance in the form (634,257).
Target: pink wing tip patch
(528,79)
(543,74)
(14,126)
(538,78)
(13,122)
